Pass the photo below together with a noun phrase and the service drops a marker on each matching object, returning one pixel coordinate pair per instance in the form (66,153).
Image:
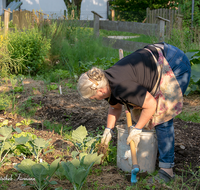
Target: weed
(193,117)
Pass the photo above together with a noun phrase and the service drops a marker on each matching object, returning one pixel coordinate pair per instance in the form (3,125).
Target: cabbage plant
(6,146)
(42,172)
(76,172)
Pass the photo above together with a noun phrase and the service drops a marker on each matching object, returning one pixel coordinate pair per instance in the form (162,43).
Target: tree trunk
(74,5)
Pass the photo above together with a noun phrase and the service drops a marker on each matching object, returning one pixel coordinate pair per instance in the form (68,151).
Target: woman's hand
(107,136)
(134,135)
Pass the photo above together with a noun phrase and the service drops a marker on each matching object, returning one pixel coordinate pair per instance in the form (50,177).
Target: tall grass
(183,39)
(72,45)
(7,64)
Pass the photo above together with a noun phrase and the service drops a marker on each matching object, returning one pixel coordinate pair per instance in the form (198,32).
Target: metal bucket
(146,150)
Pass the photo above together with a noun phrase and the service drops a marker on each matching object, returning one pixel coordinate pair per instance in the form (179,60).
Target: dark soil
(70,110)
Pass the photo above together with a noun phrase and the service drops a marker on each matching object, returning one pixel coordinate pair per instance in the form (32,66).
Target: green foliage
(135,10)
(5,122)
(144,38)
(42,172)
(37,146)
(25,122)
(25,148)
(102,63)
(84,143)
(7,63)
(194,85)
(52,87)
(193,117)
(186,9)
(57,127)
(28,108)
(182,39)
(31,46)
(5,101)
(76,173)
(81,48)
(6,146)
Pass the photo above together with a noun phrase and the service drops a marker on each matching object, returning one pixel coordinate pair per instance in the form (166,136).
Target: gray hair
(90,81)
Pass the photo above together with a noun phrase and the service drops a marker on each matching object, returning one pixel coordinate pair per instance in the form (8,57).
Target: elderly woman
(152,81)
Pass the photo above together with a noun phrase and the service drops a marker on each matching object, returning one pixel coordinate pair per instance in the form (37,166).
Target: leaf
(79,134)
(53,182)
(74,154)
(89,143)
(22,140)
(5,122)
(82,155)
(40,172)
(76,162)
(80,176)
(18,130)
(48,151)
(6,146)
(195,72)
(40,143)
(92,158)
(18,124)
(53,167)
(5,132)
(25,166)
(69,171)
(191,54)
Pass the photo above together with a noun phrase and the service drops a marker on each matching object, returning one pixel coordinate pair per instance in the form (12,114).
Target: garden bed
(70,110)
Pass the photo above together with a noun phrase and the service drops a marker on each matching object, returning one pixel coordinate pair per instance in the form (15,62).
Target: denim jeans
(165,131)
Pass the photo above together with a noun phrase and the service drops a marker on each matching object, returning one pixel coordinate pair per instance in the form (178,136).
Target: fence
(173,15)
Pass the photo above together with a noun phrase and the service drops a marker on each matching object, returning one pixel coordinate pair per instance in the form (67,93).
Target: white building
(57,7)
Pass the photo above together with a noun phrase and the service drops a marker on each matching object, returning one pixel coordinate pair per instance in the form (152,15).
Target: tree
(74,5)
(135,10)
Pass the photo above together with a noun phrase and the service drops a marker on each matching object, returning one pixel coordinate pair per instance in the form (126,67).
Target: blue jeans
(165,131)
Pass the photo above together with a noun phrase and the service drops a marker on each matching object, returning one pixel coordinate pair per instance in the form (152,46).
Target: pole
(192,13)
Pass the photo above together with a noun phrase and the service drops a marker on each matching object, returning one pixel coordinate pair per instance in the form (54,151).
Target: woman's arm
(148,109)
(114,113)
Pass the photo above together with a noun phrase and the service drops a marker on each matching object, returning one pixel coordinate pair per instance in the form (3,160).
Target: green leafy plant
(85,146)
(5,122)
(194,85)
(31,46)
(24,149)
(76,172)
(18,89)
(42,172)
(6,145)
(25,122)
(38,145)
(82,142)
(52,87)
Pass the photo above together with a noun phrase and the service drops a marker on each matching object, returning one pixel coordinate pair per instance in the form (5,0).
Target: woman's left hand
(134,135)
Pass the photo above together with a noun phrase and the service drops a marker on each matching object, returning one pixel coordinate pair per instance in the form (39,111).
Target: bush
(31,46)
(7,64)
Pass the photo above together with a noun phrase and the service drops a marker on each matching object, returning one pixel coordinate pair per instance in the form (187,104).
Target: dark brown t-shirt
(131,77)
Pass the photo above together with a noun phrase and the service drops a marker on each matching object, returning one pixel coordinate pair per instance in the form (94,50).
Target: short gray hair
(90,81)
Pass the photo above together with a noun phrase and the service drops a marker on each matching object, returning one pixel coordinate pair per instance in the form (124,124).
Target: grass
(193,117)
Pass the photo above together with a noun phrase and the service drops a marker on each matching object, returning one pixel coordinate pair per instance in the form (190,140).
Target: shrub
(31,46)
(7,64)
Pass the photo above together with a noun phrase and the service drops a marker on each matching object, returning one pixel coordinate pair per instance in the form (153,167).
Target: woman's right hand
(107,136)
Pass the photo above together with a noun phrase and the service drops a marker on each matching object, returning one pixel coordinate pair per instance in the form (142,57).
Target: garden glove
(134,135)
(107,135)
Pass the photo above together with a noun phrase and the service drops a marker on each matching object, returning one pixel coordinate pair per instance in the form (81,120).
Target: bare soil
(71,110)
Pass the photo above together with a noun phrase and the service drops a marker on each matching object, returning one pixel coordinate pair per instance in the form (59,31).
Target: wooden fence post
(121,55)
(162,27)
(96,23)
(113,15)
(6,20)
